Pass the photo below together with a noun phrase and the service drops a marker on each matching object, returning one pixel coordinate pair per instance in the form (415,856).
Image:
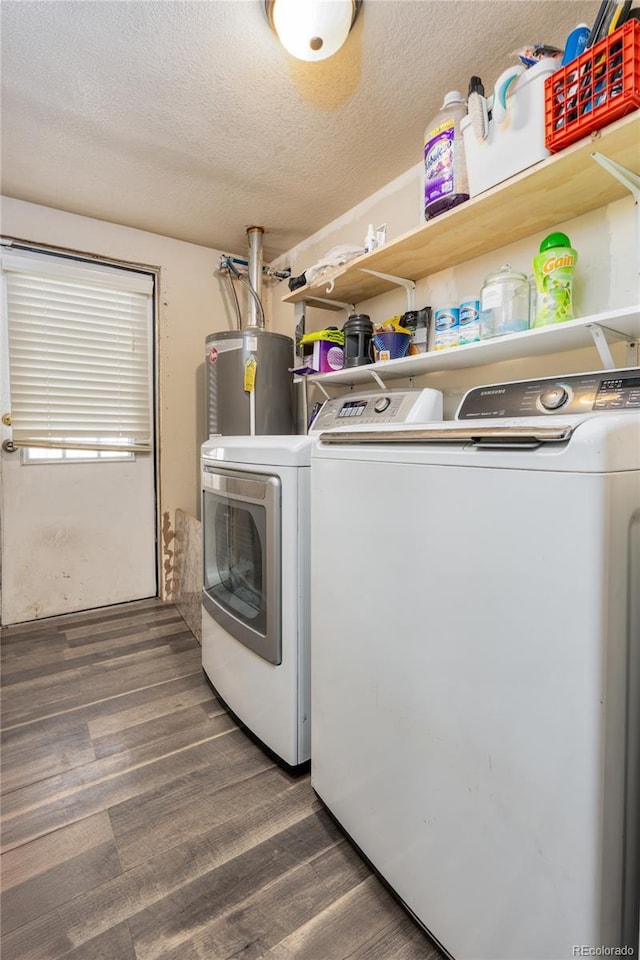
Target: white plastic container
(515,139)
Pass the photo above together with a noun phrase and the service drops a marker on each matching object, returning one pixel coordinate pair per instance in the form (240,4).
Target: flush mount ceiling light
(312,29)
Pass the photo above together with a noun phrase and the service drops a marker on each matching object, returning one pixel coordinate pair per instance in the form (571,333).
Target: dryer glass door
(241,541)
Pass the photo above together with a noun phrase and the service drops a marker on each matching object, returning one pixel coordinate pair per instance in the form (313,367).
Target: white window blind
(79,348)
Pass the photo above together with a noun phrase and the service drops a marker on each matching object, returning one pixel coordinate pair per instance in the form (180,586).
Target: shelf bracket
(409,285)
(626,177)
(602,345)
(325,303)
(377,379)
(300,317)
(316,383)
(349,307)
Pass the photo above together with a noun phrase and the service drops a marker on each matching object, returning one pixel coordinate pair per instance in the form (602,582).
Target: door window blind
(79,350)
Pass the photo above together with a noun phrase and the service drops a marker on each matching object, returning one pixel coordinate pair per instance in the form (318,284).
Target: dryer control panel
(576,393)
(382,406)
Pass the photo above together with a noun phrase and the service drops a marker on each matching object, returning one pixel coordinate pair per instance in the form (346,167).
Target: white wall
(191,304)
(606,277)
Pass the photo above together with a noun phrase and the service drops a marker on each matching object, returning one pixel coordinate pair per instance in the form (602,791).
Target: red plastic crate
(596,88)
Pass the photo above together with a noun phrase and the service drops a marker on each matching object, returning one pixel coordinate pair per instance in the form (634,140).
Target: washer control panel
(576,393)
(386,406)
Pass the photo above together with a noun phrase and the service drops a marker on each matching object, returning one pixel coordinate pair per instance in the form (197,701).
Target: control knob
(381,404)
(554,398)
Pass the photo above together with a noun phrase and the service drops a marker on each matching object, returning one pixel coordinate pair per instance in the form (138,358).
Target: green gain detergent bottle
(553,269)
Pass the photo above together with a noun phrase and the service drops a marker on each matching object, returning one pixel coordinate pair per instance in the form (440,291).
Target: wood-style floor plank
(152,731)
(192,806)
(114,944)
(42,939)
(48,696)
(42,750)
(196,692)
(357,920)
(225,888)
(139,823)
(164,875)
(272,914)
(29,813)
(47,872)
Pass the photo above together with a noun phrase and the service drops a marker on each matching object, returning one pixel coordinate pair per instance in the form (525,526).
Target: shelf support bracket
(377,379)
(316,383)
(626,177)
(409,285)
(300,317)
(324,303)
(349,307)
(602,346)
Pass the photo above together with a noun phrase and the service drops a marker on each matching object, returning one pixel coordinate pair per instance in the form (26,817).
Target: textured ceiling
(190,120)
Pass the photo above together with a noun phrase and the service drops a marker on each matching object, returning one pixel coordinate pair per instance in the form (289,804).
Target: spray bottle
(371,240)
(553,269)
(445,171)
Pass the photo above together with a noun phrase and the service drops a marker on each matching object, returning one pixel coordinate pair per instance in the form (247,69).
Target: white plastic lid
(454,96)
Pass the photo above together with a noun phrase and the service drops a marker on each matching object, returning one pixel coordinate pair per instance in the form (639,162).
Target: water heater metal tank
(228,403)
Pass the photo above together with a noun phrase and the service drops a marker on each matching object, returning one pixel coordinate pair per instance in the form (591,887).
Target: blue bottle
(575,43)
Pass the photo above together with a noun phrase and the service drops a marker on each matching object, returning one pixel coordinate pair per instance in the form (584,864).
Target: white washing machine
(476,663)
(256,591)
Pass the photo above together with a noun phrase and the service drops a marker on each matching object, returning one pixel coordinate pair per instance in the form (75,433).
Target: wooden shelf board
(559,188)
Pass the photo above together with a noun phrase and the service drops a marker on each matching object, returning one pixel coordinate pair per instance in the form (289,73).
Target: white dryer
(476,687)
(256,589)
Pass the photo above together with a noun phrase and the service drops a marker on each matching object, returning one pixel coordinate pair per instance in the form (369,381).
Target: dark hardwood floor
(139,823)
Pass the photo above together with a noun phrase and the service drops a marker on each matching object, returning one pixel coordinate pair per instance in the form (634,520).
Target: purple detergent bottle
(445,171)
